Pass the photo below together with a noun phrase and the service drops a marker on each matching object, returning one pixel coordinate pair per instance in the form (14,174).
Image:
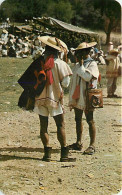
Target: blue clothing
(95,50)
(88,60)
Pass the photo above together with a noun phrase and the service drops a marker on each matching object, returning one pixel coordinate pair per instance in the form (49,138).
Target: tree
(111,14)
(91,14)
(84,14)
(61,10)
(19,10)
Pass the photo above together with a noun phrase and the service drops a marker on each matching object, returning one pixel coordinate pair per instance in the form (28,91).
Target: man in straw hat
(85,70)
(55,72)
(112,66)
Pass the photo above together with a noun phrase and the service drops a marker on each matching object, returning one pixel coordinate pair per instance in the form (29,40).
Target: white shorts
(46,111)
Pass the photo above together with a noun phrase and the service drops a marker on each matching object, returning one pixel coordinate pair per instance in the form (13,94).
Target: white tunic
(86,72)
(52,95)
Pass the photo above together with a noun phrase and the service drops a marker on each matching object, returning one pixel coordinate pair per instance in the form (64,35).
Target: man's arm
(66,81)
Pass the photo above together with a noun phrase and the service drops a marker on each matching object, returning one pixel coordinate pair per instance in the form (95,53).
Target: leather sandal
(75,146)
(90,150)
(114,95)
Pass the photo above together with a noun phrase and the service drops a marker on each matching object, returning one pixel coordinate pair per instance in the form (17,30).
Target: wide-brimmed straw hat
(110,43)
(53,42)
(85,45)
(113,51)
(4,31)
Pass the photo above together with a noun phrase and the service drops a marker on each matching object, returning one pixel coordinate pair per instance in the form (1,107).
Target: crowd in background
(19,47)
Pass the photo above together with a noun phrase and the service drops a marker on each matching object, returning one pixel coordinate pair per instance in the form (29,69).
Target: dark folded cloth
(28,81)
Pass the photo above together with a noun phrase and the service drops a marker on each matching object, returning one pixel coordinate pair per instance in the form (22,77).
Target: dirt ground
(22,172)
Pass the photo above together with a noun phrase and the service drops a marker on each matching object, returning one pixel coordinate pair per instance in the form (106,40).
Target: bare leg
(92,132)
(114,86)
(109,86)
(43,130)
(79,125)
(59,120)
(92,129)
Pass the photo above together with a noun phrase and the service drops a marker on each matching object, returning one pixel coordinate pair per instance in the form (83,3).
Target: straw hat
(113,51)
(85,45)
(53,42)
(110,43)
(4,31)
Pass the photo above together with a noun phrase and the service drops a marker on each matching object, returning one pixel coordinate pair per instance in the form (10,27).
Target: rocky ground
(22,172)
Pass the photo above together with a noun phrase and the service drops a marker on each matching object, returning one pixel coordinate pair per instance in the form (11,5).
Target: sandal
(75,146)
(114,95)
(90,150)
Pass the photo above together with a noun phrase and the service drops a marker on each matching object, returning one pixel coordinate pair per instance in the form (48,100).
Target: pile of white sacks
(19,47)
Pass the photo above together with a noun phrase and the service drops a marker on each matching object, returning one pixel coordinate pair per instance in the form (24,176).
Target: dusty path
(23,173)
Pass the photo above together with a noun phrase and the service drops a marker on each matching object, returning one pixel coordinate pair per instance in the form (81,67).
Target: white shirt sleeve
(66,81)
(84,74)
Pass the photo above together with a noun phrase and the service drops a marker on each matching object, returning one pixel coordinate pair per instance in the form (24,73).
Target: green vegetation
(111,14)
(92,14)
(10,71)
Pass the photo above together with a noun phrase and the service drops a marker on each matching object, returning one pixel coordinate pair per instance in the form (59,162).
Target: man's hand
(82,61)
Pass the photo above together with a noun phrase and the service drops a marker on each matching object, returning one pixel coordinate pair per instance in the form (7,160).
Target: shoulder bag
(94,98)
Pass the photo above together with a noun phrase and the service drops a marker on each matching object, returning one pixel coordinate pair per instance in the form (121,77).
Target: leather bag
(94,98)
